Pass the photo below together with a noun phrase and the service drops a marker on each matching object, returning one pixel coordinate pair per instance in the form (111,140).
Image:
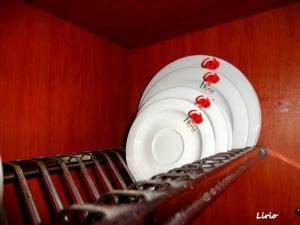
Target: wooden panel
(134,23)
(58,85)
(266,48)
(60,92)
(60,88)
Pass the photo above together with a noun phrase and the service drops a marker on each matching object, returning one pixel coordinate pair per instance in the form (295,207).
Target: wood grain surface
(135,23)
(266,48)
(63,89)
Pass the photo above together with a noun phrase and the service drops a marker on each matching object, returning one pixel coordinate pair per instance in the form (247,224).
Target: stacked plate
(194,107)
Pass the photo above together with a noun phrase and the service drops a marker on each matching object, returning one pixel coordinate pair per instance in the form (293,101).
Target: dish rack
(111,196)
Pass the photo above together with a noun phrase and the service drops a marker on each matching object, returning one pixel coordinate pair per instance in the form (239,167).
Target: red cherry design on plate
(211,78)
(203,102)
(195,116)
(210,63)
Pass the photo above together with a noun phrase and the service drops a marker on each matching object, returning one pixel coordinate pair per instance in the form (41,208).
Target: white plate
(231,73)
(223,89)
(162,138)
(218,118)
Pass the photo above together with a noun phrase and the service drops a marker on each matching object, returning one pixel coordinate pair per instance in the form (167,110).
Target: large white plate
(218,118)
(231,73)
(223,89)
(163,137)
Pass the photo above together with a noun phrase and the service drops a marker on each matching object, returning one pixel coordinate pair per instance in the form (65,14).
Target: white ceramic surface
(162,137)
(223,89)
(231,73)
(218,118)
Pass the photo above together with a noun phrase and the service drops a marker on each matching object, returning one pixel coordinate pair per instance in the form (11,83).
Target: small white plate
(218,118)
(223,89)
(164,137)
(231,73)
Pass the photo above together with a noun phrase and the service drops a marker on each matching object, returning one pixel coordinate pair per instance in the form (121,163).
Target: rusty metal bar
(70,180)
(45,167)
(114,168)
(183,191)
(149,185)
(26,193)
(49,183)
(103,175)
(210,185)
(186,191)
(100,170)
(118,154)
(87,176)
(52,166)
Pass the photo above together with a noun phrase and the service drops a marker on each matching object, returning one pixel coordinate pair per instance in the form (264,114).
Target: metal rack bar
(70,180)
(100,170)
(183,192)
(114,168)
(210,184)
(87,176)
(26,193)
(31,171)
(118,154)
(22,170)
(50,185)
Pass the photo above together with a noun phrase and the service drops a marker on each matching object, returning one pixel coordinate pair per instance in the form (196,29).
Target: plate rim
(233,74)
(133,132)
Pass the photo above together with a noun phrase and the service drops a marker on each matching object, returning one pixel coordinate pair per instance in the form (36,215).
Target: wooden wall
(61,88)
(266,48)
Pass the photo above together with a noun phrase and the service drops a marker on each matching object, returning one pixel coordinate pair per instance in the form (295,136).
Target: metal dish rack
(111,196)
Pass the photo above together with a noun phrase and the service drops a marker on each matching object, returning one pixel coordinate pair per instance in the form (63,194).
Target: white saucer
(162,137)
(218,118)
(231,73)
(223,89)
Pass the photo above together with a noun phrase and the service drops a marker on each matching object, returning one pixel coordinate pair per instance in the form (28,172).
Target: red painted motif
(210,63)
(195,116)
(202,101)
(211,78)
